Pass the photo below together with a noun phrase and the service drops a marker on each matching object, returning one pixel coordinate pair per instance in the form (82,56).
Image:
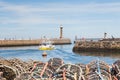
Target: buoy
(44,53)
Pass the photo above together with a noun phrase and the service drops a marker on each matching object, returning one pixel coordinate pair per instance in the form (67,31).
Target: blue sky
(37,18)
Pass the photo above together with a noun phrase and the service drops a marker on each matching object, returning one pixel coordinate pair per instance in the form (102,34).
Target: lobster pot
(24,76)
(22,66)
(83,67)
(118,76)
(92,76)
(4,61)
(1,76)
(41,71)
(116,69)
(17,64)
(8,72)
(98,70)
(117,66)
(93,66)
(69,72)
(55,63)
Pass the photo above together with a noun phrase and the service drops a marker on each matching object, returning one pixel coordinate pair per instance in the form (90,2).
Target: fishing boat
(46,45)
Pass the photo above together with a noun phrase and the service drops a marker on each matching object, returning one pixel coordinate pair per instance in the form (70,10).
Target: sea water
(61,51)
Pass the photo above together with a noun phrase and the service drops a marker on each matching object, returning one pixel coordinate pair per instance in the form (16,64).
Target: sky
(24,19)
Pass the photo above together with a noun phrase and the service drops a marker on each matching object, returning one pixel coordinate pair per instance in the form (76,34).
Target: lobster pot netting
(41,71)
(55,69)
(68,72)
(95,64)
(25,76)
(8,72)
(117,66)
(20,65)
(116,69)
(83,67)
(98,70)
(55,63)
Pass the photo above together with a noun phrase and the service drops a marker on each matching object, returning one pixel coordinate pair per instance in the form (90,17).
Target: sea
(64,52)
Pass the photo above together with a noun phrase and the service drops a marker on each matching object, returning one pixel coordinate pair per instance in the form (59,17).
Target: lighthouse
(105,35)
(61,31)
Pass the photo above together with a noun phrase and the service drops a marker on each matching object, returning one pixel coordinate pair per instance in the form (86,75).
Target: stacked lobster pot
(19,65)
(14,69)
(98,70)
(56,69)
(22,68)
(116,70)
(42,71)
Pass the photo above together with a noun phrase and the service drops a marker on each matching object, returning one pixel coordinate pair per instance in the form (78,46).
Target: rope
(87,69)
(99,72)
(43,69)
(114,78)
(64,71)
(118,70)
(75,76)
(1,73)
(33,67)
(49,75)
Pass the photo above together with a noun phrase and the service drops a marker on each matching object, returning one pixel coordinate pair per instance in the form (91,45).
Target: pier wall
(61,41)
(95,46)
(10,43)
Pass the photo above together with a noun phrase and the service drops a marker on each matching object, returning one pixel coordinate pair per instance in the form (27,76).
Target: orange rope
(43,69)
(64,71)
(114,78)
(33,67)
(87,69)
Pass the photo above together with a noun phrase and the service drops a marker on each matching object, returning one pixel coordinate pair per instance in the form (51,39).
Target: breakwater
(105,45)
(56,69)
(10,43)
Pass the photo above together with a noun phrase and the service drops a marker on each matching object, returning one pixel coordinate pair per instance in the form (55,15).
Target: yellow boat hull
(45,48)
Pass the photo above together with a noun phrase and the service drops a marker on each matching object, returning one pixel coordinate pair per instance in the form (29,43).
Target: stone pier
(11,43)
(106,45)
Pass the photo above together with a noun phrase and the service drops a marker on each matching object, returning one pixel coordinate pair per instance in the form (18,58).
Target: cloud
(60,7)
(45,13)
(36,21)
